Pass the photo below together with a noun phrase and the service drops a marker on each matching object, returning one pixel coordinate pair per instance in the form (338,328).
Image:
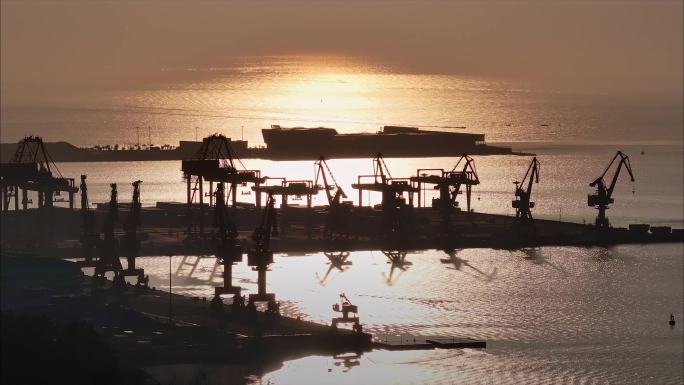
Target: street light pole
(170,292)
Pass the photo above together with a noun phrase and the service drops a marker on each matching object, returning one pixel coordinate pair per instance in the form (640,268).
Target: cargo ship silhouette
(295,143)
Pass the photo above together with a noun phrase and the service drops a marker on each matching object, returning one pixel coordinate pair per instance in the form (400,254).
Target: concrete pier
(163,232)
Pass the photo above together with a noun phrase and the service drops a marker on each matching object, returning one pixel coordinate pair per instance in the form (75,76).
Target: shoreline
(65,152)
(302,230)
(136,323)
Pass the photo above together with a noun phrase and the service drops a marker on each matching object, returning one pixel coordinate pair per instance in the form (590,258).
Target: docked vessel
(391,141)
(297,143)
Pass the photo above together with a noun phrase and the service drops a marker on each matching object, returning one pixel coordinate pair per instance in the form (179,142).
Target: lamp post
(170,292)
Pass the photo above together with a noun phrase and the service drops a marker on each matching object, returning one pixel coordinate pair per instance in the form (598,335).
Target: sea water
(549,315)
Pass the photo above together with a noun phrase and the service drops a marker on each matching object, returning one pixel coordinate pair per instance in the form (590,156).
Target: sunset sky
(594,47)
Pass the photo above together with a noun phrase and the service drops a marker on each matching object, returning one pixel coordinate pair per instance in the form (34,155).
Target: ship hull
(297,144)
(301,144)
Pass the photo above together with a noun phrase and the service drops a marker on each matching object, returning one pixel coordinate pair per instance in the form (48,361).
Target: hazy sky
(607,47)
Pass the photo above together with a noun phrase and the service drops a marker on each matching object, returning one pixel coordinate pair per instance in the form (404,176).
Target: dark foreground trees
(35,350)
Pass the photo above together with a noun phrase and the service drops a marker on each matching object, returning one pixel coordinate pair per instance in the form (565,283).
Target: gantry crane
(32,169)
(108,247)
(346,307)
(88,236)
(467,175)
(261,256)
(392,190)
(322,173)
(287,188)
(448,183)
(603,196)
(214,162)
(338,212)
(130,244)
(522,203)
(228,250)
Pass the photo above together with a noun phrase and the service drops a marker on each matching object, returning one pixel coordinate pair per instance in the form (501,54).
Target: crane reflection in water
(347,360)
(535,255)
(397,261)
(336,260)
(460,263)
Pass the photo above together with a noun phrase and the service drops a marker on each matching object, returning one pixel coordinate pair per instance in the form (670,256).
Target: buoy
(672,320)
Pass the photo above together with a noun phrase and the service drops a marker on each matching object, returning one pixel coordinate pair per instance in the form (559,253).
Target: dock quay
(144,329)
(164,232)
(247,336)
(136,321)
(148,325)
(213,222)
(401,221)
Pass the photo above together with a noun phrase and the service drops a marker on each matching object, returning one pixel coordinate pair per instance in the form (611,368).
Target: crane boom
(466,176)
(533,172)
(624,160)
(268,225)
(522,202)
(322,172)
(603,196)
(380,169)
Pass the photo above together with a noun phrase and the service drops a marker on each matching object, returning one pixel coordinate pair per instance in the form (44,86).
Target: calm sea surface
(549,315)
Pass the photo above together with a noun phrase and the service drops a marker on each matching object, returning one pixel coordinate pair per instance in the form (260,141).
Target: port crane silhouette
(130,243)
(337,222)
(228,249)
(350,314)
(261,256)
(322,174)
(33,169)
(604,194)
(449,184)
(467,176)
(108,246)
(215,162)
(392,191)
(89,236)
(522,203)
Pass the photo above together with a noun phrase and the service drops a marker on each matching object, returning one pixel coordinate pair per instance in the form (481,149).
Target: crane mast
(337,221)
(380,170)
(131,243)
(108,247)
(393,204)
(267,227)
(466,176)
(522,203)
(604,194)
(226,228)
(88,237)
(228,249)
(322,173)
(260,257)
